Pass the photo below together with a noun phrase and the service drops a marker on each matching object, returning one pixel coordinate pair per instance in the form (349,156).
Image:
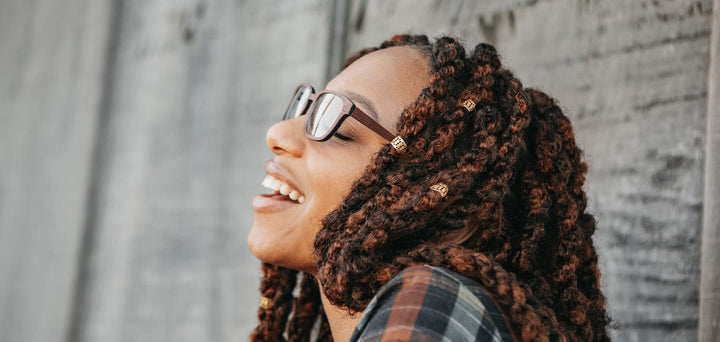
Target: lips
(285,193)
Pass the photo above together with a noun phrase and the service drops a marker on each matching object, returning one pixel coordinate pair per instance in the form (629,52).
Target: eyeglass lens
(326,112)
(298,103)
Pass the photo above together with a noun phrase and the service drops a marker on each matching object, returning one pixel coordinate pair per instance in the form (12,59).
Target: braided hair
(515,178)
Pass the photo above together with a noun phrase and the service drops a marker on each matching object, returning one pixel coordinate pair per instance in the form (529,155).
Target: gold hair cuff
(441,188)
(266,302)
(399,144)
(469,105)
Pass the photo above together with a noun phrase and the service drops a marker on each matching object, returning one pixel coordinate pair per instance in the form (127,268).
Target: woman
(449,206)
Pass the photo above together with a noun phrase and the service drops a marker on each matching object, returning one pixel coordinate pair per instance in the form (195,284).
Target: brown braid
(515,176)
(307,308)
(277,284)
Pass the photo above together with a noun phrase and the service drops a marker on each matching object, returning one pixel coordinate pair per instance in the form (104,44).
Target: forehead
(389,79)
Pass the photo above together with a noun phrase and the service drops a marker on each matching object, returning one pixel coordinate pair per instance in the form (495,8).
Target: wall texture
(132,141)
(709,326)
(52,66)
(195,86)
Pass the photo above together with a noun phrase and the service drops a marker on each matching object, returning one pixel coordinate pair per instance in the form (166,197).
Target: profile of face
(318,175)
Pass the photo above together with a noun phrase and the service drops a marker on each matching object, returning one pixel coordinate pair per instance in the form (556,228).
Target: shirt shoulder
(426,303)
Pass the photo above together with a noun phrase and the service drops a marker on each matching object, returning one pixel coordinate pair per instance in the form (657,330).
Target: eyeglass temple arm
(366,120)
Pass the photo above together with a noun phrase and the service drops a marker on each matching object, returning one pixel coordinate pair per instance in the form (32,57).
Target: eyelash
(342,137)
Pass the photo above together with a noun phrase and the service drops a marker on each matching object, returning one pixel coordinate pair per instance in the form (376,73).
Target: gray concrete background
(132,141)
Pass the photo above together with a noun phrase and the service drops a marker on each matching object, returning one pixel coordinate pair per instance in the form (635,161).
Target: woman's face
(381,84)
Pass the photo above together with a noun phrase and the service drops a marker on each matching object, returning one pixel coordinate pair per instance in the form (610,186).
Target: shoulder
(426,303)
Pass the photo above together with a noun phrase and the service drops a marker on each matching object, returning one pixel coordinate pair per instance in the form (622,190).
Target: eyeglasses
(328,110)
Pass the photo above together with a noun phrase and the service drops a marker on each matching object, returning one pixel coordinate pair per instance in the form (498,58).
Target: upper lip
(277,171)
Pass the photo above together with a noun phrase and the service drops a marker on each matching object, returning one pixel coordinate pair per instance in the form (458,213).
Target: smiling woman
(425,195)
(322,172)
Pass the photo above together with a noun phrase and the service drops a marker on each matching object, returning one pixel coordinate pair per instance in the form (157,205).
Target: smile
(283,188)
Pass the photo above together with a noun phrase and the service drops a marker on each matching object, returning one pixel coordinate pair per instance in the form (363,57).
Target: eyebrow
(359,99)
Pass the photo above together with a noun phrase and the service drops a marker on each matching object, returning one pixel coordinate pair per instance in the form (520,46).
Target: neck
(342,323)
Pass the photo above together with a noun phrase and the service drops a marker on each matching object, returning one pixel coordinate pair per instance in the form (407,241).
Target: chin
(272,251)
(259,247)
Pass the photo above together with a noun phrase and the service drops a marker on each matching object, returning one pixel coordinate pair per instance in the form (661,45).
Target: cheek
(334,178)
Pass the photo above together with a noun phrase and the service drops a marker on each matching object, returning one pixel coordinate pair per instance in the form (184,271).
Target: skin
(384,82)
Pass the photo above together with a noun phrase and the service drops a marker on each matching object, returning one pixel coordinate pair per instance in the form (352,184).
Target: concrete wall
(52,65)
(709,326)
(132,140)
(195,86)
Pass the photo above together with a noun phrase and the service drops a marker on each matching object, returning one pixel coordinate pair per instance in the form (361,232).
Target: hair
(515,178)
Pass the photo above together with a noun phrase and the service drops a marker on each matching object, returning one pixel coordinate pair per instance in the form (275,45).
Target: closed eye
(342,137)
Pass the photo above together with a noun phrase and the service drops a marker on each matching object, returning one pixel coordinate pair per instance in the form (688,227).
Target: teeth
(275,184)
(267,181)
(271,183)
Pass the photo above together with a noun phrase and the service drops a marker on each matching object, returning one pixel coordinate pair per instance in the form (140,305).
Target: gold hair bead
(469,105)
(399,144)
(265,302)
(441,188)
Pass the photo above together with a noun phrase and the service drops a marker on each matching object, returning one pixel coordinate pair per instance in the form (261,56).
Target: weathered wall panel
(148,143)
(632,77)
(196,85)
(709,325)
(52,59)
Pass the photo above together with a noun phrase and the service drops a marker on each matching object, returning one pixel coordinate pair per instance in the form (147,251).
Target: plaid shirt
(426,303)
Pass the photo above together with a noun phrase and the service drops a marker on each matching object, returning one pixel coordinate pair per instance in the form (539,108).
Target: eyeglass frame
(349,109)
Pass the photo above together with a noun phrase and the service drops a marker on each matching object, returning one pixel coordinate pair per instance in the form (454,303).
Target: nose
(287,137)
